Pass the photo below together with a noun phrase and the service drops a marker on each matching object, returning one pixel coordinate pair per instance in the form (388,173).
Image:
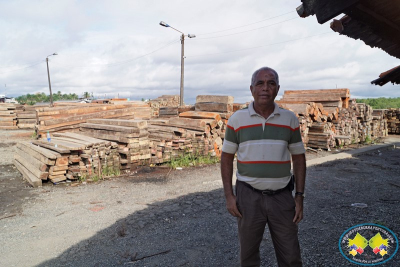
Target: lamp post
(48,76)
(162,23)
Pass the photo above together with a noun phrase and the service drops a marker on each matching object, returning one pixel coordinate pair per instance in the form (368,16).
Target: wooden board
(58,168)
(31,160)
(141,124)
(32,168)
(214,107)
(30,149)
(90,140)
(51,146)
(114,128)
(200,115)
(34,181)
(70,120)
(215,98)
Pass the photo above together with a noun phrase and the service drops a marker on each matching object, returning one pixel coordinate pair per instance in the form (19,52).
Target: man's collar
(253,112)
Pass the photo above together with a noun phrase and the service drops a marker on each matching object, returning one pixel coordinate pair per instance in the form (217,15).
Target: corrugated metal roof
(377,23)
(392,75)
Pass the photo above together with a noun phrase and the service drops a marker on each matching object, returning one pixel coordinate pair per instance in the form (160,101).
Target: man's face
(265,88)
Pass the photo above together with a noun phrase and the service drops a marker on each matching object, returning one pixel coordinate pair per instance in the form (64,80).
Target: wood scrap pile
(67,156)
(8,116)
(132,137)
(393,119)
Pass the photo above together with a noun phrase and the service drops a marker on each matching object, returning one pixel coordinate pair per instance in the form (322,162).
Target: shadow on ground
(196,230)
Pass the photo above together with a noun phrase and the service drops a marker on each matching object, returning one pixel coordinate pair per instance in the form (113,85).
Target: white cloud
(101,46)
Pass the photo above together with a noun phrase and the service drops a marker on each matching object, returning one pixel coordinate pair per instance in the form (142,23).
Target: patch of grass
(192,160)
(110,171)
(367,139)
(95,177)
(83,177)
(34,135)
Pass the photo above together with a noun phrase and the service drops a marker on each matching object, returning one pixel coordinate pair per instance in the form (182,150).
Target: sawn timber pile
(393,118)
(328,118)
(67,156)
(131,136)
(8,117)
(67,118)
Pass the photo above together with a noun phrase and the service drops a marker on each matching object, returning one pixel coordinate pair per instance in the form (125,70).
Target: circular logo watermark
(368,244)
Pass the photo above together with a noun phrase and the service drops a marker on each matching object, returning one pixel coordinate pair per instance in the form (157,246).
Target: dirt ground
(159,217)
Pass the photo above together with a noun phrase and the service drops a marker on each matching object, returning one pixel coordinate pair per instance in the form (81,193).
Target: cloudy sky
(117,48)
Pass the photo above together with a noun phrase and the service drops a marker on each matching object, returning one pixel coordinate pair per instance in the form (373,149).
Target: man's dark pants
(257,211)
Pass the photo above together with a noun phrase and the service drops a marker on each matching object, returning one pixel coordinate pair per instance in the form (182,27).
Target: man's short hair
(253,77)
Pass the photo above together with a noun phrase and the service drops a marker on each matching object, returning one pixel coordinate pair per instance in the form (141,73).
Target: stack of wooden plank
(167,100)
(364,117)
(321,135)
(166,112)
(141,110)
(164,106)
(66,156)
(65,118)
(237,106)
(379,123)
(393,119)
(196,132)
(88,156)
(179,136)
(132,137)
(215,129)
(26,117)
(215,103)
(327,97)
(8,117)
(37,163)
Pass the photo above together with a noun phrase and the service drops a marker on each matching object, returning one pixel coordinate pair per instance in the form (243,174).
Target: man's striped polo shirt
(263,146)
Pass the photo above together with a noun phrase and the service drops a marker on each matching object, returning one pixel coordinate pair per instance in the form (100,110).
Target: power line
(293,40)
(7,67)
(23,68)
(247,24)
(248,30)
(126,61)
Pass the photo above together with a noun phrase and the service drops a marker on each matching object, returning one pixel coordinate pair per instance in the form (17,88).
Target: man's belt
(264,192)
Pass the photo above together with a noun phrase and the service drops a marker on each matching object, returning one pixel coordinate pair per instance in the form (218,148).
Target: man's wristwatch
(300,194)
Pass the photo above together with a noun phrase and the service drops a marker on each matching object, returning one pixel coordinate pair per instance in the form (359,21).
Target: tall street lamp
(162,23)
(48,76)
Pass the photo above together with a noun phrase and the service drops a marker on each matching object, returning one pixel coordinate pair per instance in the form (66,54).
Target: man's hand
(299,209)
(232,207)
(226,173)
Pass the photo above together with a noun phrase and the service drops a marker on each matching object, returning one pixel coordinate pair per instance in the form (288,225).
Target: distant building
(4,99)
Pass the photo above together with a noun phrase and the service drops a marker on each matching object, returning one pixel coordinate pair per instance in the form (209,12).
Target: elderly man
(266,138)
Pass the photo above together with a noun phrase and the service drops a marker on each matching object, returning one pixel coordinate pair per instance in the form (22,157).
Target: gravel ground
(158,217)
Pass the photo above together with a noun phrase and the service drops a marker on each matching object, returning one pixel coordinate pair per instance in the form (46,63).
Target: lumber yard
(75,140)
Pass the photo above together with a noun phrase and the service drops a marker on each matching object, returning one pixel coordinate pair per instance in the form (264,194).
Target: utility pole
(48,76)
(182,69)
(162,23)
